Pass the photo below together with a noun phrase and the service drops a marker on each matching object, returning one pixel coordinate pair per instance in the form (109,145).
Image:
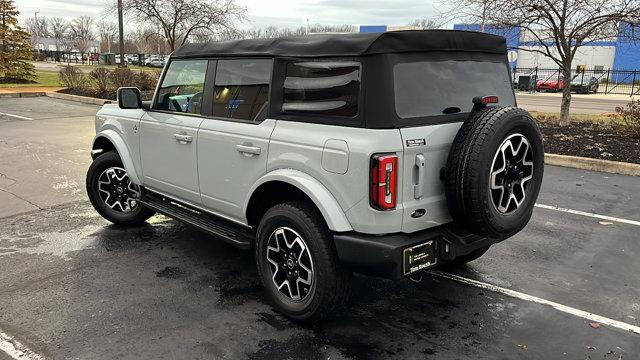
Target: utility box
(527,82)
(107,59)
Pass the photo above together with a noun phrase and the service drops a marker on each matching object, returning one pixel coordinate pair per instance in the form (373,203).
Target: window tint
(182,86)
(447,87)
(242,88)
(322,87)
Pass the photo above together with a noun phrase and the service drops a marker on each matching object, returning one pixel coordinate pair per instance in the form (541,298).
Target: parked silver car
(381,153)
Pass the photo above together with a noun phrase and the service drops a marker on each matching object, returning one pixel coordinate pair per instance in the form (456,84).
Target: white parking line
(16,116)
(563,308)
(583,213)
(15,349)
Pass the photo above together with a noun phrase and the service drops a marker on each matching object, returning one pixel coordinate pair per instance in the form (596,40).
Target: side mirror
(129,98)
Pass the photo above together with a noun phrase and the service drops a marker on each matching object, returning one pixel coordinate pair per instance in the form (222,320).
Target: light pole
(37,26)
(121,34)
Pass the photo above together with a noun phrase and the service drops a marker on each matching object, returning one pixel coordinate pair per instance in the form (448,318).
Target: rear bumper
(382,255)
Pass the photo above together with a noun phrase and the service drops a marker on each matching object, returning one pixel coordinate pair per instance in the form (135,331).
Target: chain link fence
(609,81)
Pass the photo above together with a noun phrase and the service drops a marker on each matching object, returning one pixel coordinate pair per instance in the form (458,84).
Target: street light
(121,35)
(37,35)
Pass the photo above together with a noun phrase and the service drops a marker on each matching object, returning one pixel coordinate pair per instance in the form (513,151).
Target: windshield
(429,88)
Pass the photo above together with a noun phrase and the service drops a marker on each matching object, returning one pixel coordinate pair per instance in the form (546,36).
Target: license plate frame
(419,257)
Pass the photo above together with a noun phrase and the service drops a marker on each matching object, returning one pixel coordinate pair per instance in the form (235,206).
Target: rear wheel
(297,263)
(112,193)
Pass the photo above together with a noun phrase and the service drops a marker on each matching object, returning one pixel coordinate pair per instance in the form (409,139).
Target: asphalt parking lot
(74,286)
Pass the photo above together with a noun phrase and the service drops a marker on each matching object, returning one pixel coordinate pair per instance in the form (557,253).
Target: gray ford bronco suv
(379,153)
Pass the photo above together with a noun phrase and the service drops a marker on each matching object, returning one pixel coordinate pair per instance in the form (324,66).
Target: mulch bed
(590,140)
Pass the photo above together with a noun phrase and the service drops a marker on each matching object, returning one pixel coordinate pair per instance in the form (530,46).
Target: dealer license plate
(419,257)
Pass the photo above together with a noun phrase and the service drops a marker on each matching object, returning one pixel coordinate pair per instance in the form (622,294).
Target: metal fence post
(535,81)
(606,88)
(633,83)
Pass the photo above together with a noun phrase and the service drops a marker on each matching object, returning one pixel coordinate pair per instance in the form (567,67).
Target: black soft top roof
(351,44)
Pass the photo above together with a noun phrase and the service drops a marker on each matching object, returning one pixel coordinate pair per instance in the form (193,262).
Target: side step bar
(235,234)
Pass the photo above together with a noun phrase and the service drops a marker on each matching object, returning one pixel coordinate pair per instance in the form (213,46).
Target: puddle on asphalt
(56,243)
(63,243)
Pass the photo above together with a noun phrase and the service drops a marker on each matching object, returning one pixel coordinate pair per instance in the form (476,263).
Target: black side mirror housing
(129,98)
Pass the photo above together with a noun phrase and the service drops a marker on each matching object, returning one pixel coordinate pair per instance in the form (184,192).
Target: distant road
(580,104)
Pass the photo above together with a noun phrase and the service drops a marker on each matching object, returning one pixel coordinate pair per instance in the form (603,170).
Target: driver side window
(182,87)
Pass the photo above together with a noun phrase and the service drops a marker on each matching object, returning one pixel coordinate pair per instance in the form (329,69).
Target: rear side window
(322,88)
(242,88)
(431,88)
(182,87)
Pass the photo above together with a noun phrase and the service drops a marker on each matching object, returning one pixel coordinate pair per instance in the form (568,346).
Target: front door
(233,144)
(169,132)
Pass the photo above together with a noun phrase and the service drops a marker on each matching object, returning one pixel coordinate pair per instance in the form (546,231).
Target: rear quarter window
(322,88)
(430,88)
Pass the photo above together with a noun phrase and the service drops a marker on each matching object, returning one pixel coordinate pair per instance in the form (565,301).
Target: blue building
(620,53)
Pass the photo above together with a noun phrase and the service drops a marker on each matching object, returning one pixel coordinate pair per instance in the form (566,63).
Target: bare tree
(38,28)
(558,28)
(179,19)
(427,23)
(82,34)
(274,32)
(59,31)
(145,40)
(107,32)
(41,27)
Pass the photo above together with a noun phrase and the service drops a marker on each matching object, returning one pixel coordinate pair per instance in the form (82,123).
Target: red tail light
(484,100)
(384,179)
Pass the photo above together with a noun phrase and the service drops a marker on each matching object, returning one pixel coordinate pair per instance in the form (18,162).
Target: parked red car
(550,85)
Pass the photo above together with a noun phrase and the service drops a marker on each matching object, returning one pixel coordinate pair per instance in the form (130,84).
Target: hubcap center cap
(290,264)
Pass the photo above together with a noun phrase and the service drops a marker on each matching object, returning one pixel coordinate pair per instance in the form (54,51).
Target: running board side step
(235,234)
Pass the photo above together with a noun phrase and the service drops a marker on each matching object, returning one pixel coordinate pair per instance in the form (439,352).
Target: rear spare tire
(494,171)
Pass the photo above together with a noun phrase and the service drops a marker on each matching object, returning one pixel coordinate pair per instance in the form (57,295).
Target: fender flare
(321,197)
(123,152)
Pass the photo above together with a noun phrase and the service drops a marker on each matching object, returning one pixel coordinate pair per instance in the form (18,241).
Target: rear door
(438,95)
(169,132)
(233,142)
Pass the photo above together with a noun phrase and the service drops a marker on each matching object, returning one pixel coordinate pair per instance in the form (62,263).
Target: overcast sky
(290,13)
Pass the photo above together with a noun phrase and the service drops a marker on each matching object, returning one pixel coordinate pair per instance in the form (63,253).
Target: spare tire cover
(494,171)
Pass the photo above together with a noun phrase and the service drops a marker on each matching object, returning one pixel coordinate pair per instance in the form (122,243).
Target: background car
(584,84)
(550,85)
(155,62)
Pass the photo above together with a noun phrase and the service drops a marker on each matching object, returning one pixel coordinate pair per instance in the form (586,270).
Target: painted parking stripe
(15,349)
(583,213)
(16,116)
(563,308)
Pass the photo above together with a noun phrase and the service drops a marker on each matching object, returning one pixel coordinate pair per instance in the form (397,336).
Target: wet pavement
(74,286)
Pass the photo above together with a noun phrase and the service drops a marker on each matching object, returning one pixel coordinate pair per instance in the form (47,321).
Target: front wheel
(297,263)
(112,193)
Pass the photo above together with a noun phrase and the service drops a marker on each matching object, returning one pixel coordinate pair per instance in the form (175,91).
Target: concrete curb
(22,94)
(82,99)
(576,162)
